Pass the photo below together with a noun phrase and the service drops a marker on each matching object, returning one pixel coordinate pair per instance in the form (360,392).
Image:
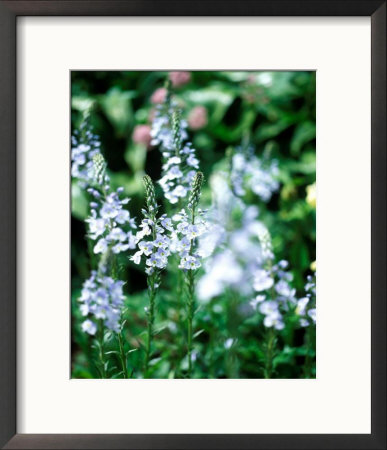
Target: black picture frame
(9,11)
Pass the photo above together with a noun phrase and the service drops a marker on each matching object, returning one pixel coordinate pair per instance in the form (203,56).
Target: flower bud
(198,118)
(99,166)
(179,78)
(159,96)
(150,196)
(176,128)
(141,135)
(195,190)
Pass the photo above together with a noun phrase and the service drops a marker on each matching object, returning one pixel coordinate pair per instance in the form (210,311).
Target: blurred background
(275,113)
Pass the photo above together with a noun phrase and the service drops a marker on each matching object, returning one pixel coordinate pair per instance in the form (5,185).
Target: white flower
(101,246)
(301,306)
(269,307)
(120,247)
(85,309)
(122,216)
(262,280)
(312,314)
(274,320)
(163,253)
(190,263)
(145,247)
(146,231)
(172,161)
(193,161)
(117,235)
(182,215)
(167,223)
(136,258)
(228,343)
(173,173)
(96,226)
(193,231)
(255,301)
(283,288)
(180,191)
(183,245)
(89,327)
(224,270)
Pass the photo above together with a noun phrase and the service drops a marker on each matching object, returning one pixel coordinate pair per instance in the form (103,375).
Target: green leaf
(154,361)
(135,156)
(198,333)
(304,133)
(117,106)
(82,103)
(131,351)
(79,202)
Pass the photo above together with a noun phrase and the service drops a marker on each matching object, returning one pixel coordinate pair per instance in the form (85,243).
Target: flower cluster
(101,298)
(250,172)
(179,159)
(232,244)
(110,224)
(184,239)
(275,295)
(306,308)
(173,236)
(155,250)
(236,251)
(85,145)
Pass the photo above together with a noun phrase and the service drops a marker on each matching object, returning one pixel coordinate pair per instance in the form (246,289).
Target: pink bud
(197,118)
(141,134)
(159,95)
(179,78)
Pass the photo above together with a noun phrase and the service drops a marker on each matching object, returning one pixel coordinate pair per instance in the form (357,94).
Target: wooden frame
(9,10)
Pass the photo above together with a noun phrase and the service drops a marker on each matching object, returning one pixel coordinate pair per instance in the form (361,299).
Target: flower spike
(195,190)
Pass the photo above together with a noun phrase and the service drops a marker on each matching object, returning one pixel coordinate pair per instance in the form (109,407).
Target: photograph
(193,224)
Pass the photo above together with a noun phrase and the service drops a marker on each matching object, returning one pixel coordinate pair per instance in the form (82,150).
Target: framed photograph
(193,224)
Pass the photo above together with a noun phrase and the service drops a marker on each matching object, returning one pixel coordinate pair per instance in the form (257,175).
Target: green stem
(101,353)
(122,355)
(179,317)
(308,359)
(190,304)
(271,338)
(190,311)
(269,352)
(151,317)
(232,363)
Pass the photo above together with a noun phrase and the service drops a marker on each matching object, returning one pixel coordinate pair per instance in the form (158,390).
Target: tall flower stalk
(169,133)
(156,250)
(153,278)
(191,273)
(109,233)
